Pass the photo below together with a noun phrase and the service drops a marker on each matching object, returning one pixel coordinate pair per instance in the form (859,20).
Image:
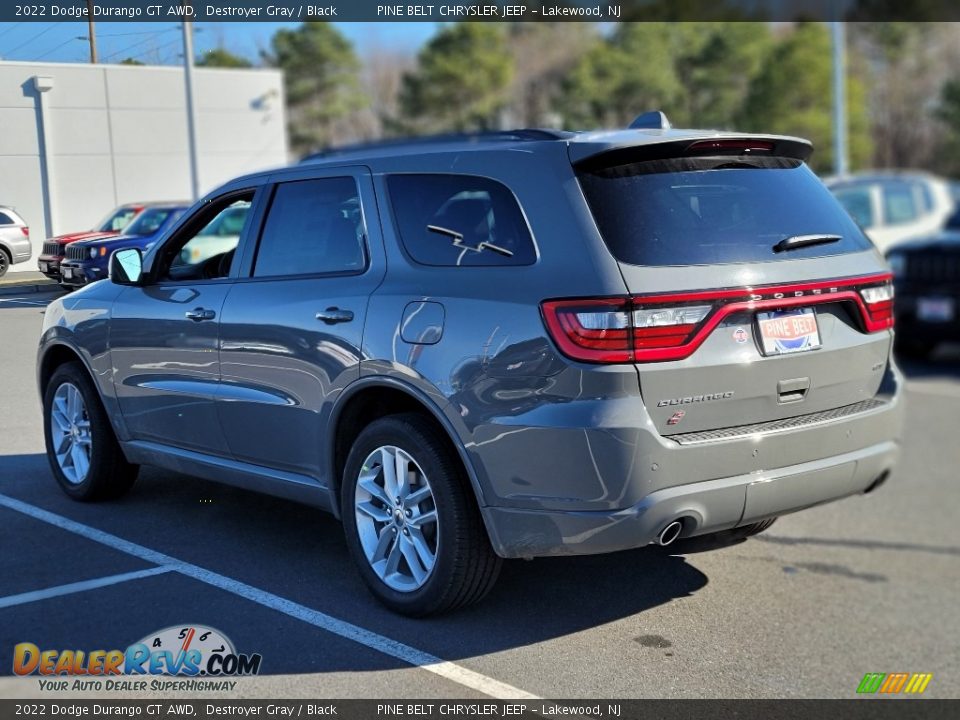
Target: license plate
(66,272)
(935,309)
(788,331)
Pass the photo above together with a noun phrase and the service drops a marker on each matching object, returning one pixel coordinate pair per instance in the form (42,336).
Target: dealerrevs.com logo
(182,650)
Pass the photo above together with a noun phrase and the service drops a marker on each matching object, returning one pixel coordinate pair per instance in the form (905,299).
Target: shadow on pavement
(299,553)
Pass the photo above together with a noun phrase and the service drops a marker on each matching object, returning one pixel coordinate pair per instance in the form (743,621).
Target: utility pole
(191,105)
(838,35)
(92,33)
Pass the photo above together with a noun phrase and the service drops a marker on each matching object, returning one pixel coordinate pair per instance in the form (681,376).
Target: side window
(5,219)
(313,227)
(459,220)
(857,202)
(204,249)
(899,203)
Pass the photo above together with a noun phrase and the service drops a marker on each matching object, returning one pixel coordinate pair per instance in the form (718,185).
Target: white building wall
(118,134)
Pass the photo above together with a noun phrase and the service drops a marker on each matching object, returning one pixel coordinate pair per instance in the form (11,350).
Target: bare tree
(907,65)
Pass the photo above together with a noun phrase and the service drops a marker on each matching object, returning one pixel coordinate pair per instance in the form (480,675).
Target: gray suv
(506,345)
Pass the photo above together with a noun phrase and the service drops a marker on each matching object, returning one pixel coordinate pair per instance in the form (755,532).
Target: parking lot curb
(30,287)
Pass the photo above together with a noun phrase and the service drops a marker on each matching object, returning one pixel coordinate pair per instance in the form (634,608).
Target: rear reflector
(671,327)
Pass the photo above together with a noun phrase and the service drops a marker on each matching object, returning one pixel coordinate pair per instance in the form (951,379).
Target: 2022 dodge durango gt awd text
(498,346)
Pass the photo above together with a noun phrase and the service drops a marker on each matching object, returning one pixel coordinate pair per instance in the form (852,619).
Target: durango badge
(696,399)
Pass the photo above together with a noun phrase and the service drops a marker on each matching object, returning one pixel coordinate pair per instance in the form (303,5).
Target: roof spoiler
(592,156)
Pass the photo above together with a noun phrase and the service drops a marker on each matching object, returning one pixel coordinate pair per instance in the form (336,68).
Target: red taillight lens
(26,231)
(620,330)
(591,330)
(879,303)
(658,326)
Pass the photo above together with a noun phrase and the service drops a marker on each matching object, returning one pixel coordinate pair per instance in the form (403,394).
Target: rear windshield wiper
(799,241)
(458,241)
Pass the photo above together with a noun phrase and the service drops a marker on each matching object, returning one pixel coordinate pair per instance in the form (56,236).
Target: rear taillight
(879,303)
(671,327)
(591,330)
(26,231)
(657,327)
(620,330)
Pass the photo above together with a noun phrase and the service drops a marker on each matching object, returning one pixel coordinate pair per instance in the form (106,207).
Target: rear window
(710,210)
(459,220)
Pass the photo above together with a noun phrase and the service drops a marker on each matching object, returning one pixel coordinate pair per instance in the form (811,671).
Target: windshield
(710,210)
(150,220)
(117,220)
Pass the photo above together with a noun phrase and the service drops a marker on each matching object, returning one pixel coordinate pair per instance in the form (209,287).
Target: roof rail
(520,135)
(653,120)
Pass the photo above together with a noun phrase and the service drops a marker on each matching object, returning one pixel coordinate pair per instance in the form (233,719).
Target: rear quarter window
(459,221)
(899,203)
(715,210)
(6,219)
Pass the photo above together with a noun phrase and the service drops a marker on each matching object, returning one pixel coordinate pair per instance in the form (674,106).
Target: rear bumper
(703,507)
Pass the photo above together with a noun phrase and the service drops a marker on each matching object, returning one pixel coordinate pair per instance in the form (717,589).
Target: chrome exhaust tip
(670,533)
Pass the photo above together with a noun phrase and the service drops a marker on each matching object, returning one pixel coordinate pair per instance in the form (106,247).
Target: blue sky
(153,42)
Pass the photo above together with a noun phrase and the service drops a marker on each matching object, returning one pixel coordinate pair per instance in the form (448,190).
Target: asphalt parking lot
(869,584)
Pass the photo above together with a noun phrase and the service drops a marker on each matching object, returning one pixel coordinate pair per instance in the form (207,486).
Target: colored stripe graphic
(918,682)
(871,682)
(894,683)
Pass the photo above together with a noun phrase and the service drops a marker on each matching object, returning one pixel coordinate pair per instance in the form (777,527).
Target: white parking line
(70,588)
(411,655)
(22,301)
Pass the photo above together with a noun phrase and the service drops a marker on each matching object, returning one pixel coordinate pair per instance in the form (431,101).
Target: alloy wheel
(396,517)
(70,431)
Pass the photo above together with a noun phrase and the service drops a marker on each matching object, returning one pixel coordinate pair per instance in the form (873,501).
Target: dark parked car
(54,249)
(87,260)
(926,275)
(503,345)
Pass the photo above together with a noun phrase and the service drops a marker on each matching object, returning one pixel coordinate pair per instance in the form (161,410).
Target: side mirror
(126,266)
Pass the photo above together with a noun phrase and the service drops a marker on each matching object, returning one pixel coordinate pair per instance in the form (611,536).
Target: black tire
(4,262)
(109,475)
(466,567)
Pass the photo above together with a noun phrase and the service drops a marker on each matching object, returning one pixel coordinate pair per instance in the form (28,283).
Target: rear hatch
(753,295)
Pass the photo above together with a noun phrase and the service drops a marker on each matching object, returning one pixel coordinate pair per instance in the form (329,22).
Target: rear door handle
(334,315)
(794,390)
(198,314)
